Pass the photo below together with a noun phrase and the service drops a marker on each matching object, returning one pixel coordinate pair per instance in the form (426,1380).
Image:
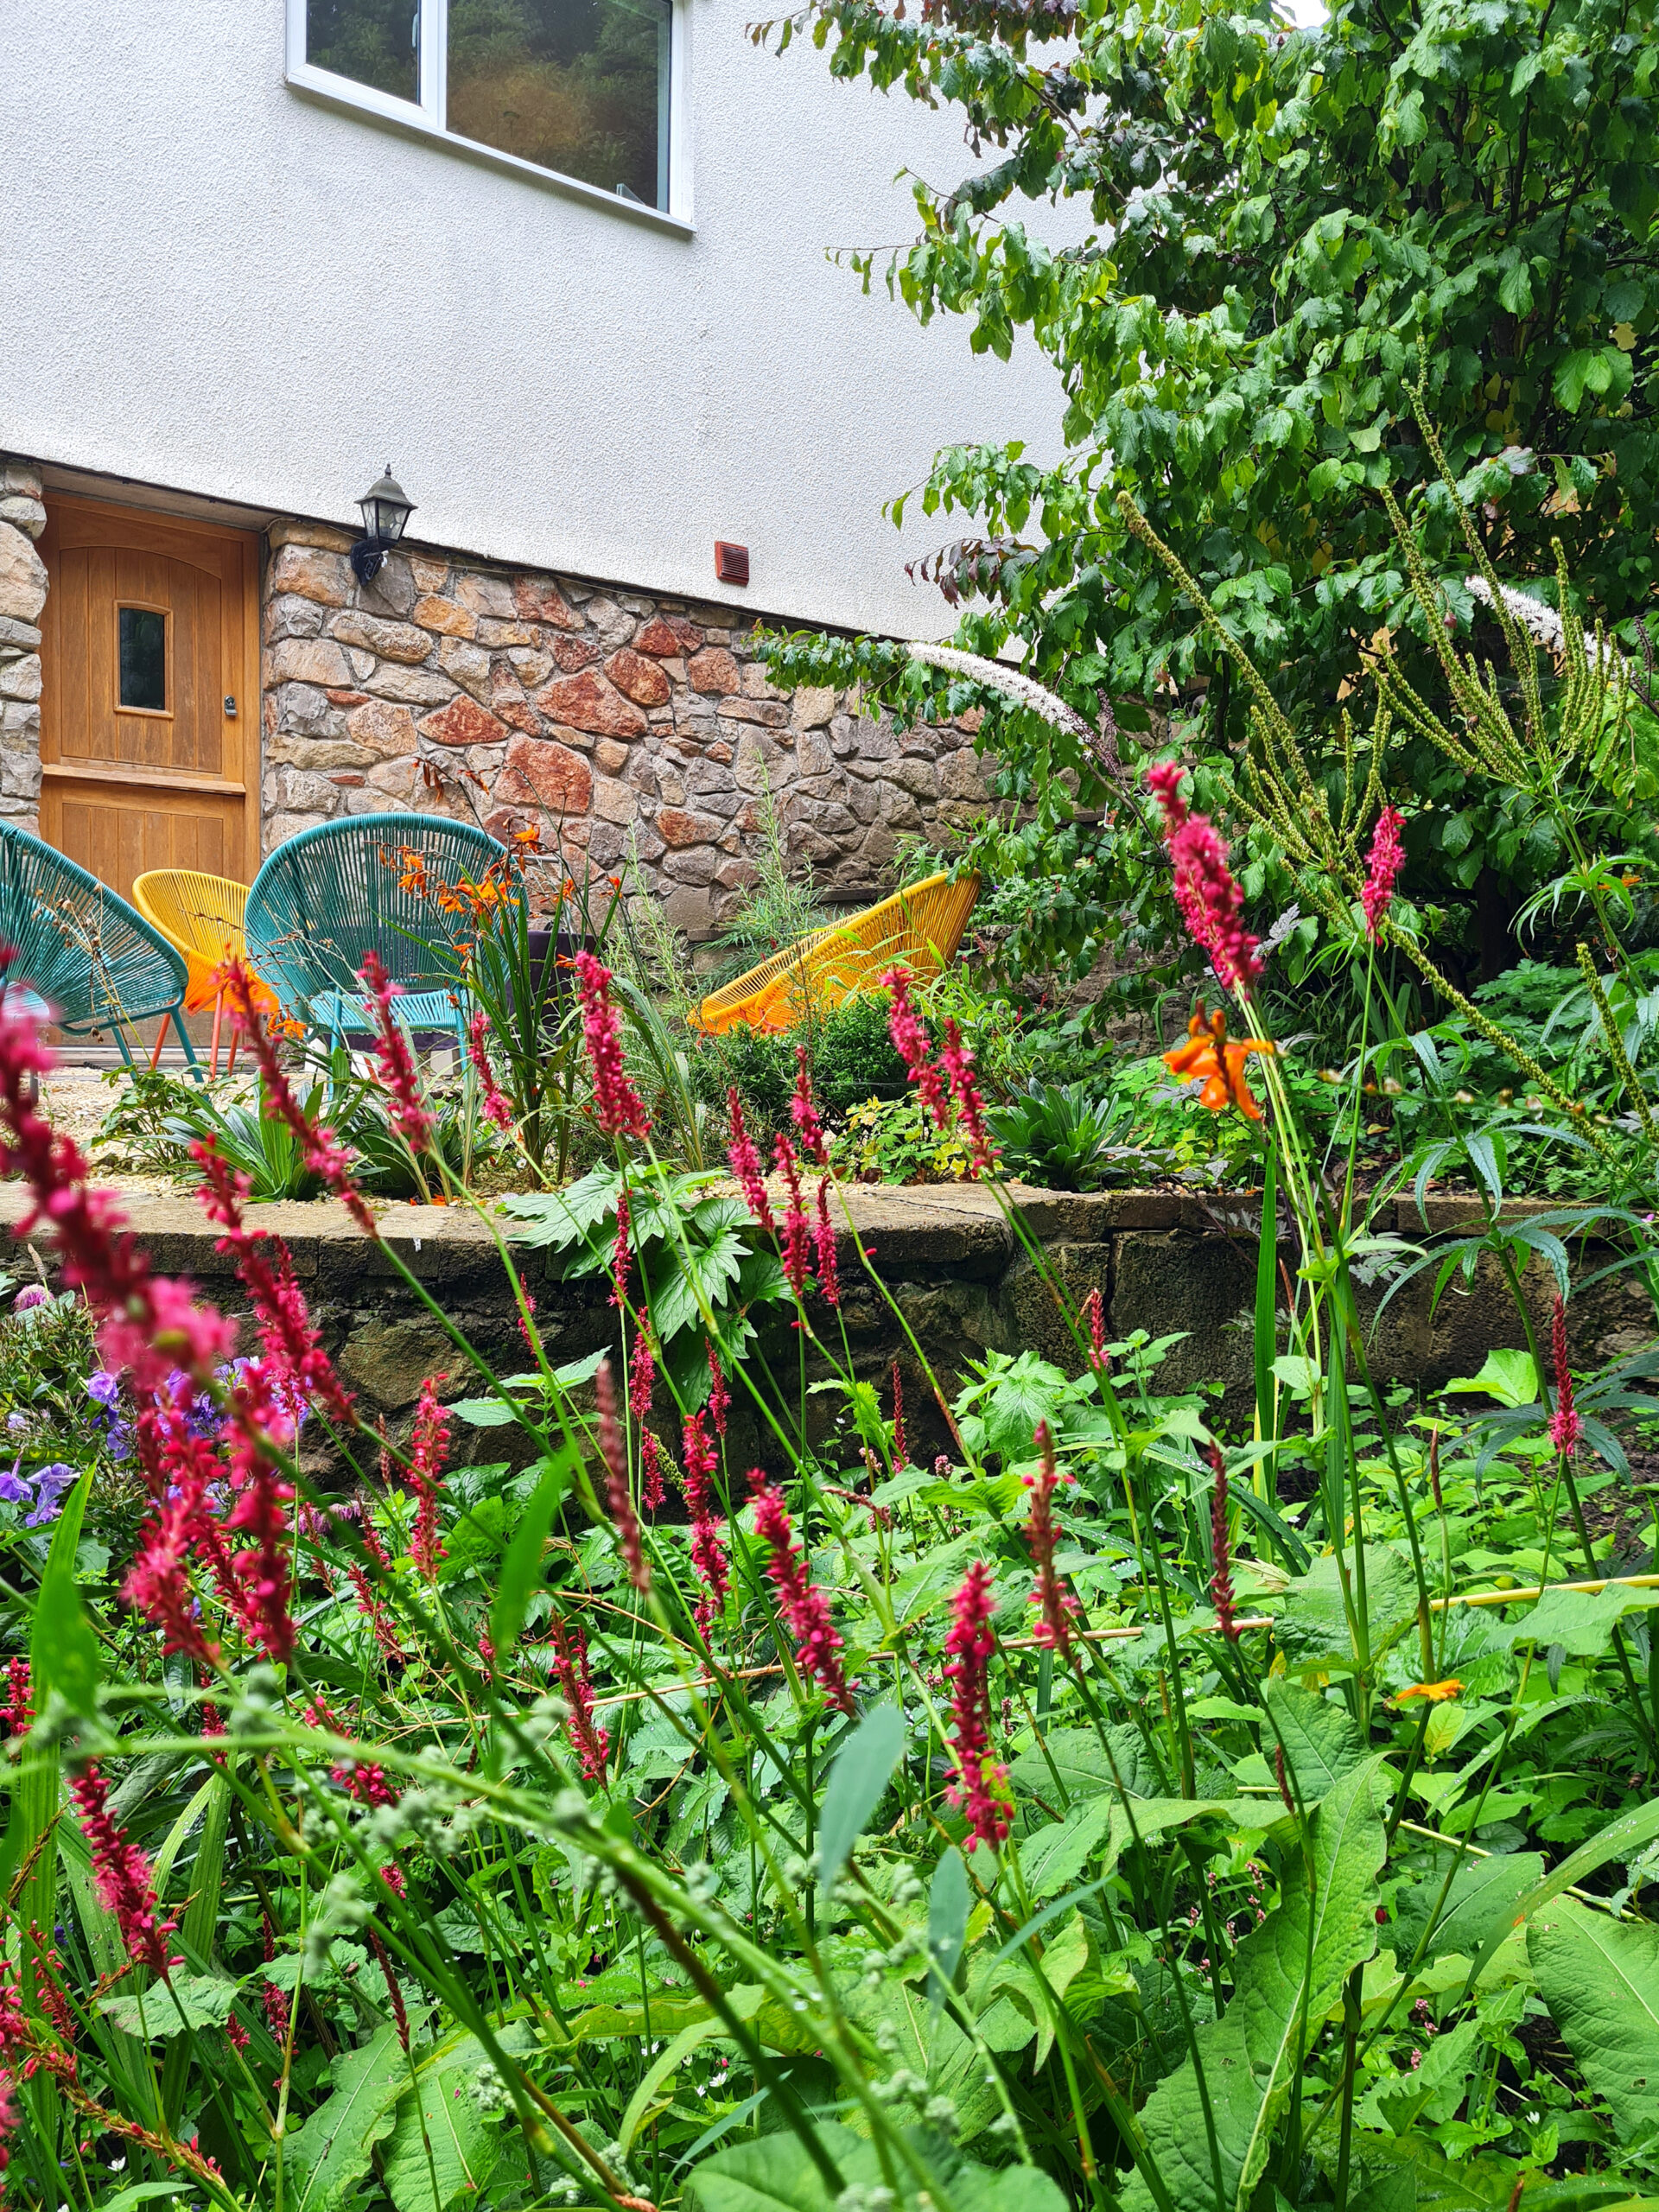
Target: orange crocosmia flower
(1216,1060)
(1436,1693)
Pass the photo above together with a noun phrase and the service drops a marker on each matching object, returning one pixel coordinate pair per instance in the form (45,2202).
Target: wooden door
(150,701)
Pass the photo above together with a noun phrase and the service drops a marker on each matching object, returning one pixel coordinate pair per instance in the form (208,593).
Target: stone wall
(1172,1265)
(22,594)
(514,697)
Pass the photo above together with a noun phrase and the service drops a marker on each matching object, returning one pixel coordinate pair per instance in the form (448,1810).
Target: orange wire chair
(200,916)
(918,928)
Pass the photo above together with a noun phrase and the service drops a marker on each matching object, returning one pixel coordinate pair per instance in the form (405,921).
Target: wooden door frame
(149,532)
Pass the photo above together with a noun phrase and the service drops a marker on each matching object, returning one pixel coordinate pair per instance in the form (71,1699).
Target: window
(578,88)
(140,658)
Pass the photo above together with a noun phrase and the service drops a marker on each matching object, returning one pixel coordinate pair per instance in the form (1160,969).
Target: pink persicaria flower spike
(797,1236)
(745,1165)
(428,1451)
(642,1378)
(823,1236)
(719,1396)
(621,1252)
(619,1498)
(496,1107)
(1386,859)
(910,1042)
(1056,1607)
(803,1113)
(900,1448)
(151,1323)
(1565,1428)
(802,1604)
(395,1057)
(620,1110)
(1094,1312)
(707,1552)
(265,1570)
(121,1873)
(17,1715)
(1210,901)
(590,1743)
(323,1153)
(971,1644)
(957,1060)
(1221,1546)
(381,1624)
(158,1582)
(286,1329)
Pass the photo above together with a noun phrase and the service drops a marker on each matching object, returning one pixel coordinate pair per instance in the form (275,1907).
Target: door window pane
(143,657)
(577,85)
(372,41)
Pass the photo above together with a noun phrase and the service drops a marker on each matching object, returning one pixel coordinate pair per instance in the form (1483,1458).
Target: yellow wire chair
(918,928)
(201,916)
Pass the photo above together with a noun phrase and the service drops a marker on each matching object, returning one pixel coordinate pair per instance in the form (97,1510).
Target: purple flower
(50,1483)
(17,1424)
(103,1388)
(31,1295)
(13,1492)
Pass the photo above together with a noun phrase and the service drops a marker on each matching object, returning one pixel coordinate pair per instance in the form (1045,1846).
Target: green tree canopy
(1289,228)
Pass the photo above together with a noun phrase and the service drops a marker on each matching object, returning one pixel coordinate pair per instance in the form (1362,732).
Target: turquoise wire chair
(82,958)
(327,896)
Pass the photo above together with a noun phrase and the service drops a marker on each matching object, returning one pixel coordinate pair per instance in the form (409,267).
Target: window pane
(579,85)
(143,638)
(372,41)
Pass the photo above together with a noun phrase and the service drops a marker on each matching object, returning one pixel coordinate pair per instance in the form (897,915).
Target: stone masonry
(514,697)
(22,594)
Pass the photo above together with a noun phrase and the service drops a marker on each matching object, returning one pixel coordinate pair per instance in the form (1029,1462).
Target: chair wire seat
(328,896)
(200,916)
(918,929)
(81,952)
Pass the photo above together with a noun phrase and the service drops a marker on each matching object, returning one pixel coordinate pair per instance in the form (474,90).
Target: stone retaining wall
(518,697)
(22,594)
(964,1281)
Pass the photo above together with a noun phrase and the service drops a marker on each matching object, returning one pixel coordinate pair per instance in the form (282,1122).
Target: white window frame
(425,118)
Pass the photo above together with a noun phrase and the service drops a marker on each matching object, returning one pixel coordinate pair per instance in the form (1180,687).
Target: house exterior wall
(213,282)
(621,723)
(23,595)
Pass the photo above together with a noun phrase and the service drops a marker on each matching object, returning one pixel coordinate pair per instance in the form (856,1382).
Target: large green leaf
(63,1649)
(1483,1894)
(188,2001)
(1621,1839)
(1287,1975)
(857,1781)
(1085,1766)
(1320,1743)
(441,2117)
(1313,1625)
(776,2173)
(1581,1621)
(329,2155)
(700,1275)
(1052,1858)
(1600,1980)
(521,1570)
(1409,2173)
(1010,2189)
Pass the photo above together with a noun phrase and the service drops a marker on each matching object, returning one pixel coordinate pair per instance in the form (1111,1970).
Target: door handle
(230,707)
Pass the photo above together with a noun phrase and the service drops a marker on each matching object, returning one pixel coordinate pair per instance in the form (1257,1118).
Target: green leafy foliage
(1209,2130)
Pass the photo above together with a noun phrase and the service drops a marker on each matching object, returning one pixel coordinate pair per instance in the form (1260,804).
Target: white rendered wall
(214,284)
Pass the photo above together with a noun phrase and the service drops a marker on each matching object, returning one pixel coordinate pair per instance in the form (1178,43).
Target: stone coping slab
(957,1225)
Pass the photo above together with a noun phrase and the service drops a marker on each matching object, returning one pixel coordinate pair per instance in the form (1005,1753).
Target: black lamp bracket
(368,558)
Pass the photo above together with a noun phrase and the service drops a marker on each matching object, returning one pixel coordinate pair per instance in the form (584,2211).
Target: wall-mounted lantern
(384,508)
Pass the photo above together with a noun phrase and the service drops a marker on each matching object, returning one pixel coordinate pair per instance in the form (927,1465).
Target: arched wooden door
(150,701)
